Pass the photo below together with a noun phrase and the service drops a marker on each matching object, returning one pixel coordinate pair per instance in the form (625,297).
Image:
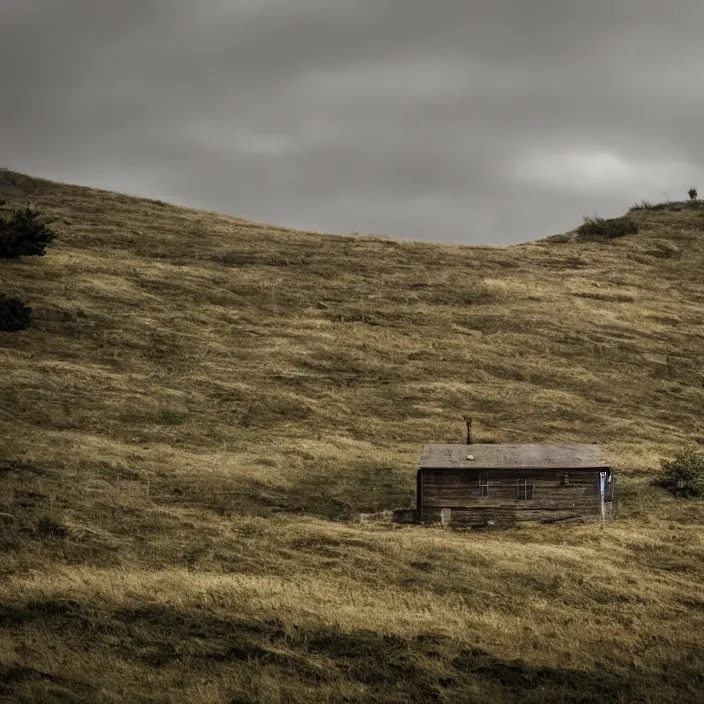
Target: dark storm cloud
(451,121)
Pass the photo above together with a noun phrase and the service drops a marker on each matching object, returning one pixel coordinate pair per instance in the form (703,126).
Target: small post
(469,430)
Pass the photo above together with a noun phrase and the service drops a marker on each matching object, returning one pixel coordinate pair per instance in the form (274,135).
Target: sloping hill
(207,411)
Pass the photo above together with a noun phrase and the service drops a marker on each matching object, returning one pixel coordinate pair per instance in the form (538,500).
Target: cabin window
(524,488)
(483,485)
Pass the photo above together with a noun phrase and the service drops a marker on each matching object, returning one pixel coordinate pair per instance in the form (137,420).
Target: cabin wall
(556,495)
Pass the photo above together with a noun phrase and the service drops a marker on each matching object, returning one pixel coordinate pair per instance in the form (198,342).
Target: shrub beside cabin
(494,485)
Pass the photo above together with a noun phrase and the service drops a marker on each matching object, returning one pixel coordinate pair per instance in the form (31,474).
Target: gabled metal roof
(512,456)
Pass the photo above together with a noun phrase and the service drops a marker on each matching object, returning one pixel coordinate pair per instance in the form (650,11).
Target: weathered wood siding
(557,494)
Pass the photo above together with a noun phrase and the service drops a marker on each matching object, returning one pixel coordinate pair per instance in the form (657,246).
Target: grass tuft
(598,229)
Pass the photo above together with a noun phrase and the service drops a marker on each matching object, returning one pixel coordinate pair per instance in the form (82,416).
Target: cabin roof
(572,456)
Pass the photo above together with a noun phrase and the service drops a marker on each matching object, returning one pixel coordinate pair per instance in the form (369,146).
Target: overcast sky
(463,121)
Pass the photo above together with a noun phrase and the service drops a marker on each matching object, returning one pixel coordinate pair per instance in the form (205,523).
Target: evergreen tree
(23,234)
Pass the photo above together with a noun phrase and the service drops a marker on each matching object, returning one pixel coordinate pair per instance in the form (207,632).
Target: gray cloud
(475,122)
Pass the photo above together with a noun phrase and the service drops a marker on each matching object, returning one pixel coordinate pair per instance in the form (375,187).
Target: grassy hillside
(204,433)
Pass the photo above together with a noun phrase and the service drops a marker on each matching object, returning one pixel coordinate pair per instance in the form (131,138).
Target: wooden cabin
(479,485)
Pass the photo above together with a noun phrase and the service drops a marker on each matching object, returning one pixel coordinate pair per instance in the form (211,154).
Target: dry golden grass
(205,431)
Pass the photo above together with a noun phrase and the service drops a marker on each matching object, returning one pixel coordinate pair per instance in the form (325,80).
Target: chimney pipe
(469,431)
